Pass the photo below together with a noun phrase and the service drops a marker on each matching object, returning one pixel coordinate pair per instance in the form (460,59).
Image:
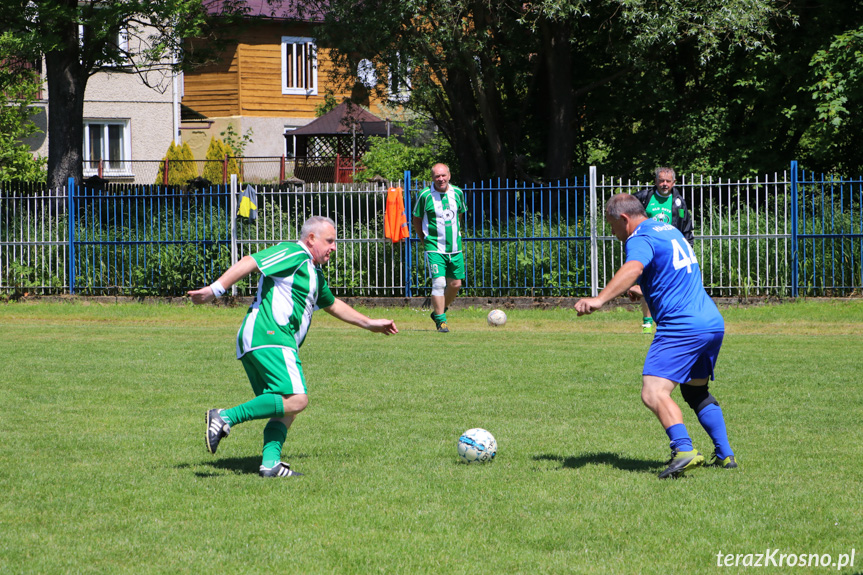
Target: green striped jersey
(440,214)
(290,289)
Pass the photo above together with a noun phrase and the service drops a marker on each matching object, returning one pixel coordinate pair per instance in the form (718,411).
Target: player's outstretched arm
(624,279)
(347,314)
(233,274)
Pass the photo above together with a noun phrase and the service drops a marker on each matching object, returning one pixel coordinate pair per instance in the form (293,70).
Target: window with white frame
(366,74)
(299,66)
(290,142)
(106,142)
(120,40)
(400,79)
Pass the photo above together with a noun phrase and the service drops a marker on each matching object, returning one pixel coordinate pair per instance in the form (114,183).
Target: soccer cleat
(647,328)
(442,327)
(278,470)
(727,463)
(217,428)
(681,462)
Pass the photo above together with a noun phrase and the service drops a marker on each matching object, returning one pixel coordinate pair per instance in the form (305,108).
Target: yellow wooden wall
(214,90)
(248,81)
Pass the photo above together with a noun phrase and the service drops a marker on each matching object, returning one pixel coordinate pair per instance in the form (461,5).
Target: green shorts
(445,265)
(274,370)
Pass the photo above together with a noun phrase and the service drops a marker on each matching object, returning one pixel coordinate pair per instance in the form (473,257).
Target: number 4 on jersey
(681,259)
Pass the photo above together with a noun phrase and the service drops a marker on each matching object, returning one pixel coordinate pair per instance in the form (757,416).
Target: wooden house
(269,82)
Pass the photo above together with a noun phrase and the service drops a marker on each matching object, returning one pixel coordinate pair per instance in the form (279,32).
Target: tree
(837,90)
(510,83)
(391,157)
(19,84)
(80,38)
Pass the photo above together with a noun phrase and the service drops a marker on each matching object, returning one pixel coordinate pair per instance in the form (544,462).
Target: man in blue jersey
(689,329)
(292,286)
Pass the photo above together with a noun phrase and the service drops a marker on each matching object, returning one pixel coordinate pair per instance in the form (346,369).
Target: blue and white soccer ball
(476,445)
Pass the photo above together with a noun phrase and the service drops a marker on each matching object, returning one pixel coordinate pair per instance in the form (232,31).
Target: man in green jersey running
(436,221)
(291,287)
(663,203)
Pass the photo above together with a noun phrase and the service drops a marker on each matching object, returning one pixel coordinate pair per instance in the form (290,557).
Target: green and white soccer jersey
(659,208)
(290,289)
(440,214)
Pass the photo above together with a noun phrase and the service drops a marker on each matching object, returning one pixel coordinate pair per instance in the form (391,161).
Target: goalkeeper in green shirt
(664,203)
(292,286)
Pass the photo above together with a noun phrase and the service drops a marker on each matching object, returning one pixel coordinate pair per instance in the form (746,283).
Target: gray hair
(313,225)
(620,204)
(663,170)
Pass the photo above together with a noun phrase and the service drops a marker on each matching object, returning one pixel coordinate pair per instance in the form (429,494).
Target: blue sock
(679,437)
(713,422)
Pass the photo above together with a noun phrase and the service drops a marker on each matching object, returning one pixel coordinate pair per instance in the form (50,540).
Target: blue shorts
(681,358)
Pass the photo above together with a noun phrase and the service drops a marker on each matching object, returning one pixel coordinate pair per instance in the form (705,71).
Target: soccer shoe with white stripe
(278,470)
(217,428)
(681,462)
(727,463)
(647,328)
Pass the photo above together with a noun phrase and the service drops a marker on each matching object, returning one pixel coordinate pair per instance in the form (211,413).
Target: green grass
(103,467)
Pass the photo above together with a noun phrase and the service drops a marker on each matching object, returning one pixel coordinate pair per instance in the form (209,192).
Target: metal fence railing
(262,170)
(787,234)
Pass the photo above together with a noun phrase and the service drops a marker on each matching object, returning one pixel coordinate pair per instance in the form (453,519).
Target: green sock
(275,434)
(647,320)
(264,406)
(439,318)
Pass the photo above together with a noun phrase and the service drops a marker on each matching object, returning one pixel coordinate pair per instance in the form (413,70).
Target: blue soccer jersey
(671,281)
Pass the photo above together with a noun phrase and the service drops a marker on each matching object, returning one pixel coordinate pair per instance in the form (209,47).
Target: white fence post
(234,227)
(594,264)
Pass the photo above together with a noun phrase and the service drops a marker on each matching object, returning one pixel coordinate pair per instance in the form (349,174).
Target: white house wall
(149,113)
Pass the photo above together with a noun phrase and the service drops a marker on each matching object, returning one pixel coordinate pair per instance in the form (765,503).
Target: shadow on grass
(624,463)
(238,465)
(248,464)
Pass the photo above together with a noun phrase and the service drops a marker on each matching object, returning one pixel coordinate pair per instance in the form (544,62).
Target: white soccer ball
(476,445)
(496,318)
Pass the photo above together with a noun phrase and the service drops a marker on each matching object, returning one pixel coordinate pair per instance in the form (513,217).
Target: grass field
(103,467)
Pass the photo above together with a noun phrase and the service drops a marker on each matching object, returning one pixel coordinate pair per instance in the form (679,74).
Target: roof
(342,118)
(302,10)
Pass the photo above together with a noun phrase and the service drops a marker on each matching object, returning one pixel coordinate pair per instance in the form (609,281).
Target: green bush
(181,166)
(391,157)
(216,153)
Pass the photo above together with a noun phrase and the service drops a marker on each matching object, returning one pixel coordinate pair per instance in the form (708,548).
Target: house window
(299,66)
(118,42)
(399,79)
(106,142)
(290,142)
(366,74)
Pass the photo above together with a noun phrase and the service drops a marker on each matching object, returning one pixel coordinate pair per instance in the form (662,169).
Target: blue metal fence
(519,239)
(828,234)
(787,234)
